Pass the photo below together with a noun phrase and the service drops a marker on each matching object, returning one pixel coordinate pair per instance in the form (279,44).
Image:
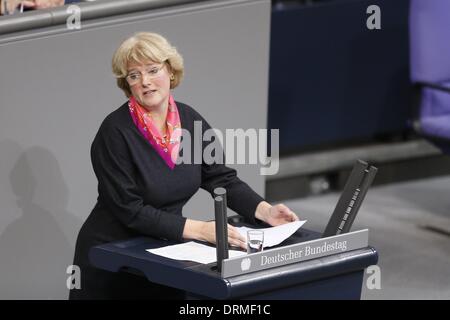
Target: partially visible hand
(43,4)
(234,237)
(275,215)
(12,5)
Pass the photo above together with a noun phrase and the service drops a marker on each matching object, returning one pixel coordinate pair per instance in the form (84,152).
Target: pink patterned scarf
(167,146)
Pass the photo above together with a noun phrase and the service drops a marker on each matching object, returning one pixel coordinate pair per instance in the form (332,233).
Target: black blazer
(138,194)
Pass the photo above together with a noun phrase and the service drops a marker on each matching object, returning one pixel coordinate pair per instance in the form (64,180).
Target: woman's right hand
(206,231)
(234,237)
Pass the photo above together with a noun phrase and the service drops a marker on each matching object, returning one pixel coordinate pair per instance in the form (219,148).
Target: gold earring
(172,77)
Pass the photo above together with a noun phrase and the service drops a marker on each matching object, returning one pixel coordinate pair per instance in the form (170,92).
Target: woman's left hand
(275,215)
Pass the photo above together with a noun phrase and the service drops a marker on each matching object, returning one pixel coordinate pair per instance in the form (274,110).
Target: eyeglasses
(151,72)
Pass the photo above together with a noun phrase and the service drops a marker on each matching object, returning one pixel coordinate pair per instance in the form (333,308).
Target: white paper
(192,251)
(275,235)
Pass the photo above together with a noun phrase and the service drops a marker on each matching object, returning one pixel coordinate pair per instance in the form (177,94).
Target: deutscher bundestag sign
(295,253)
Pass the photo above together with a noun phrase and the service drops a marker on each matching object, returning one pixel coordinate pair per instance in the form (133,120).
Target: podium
(337,276)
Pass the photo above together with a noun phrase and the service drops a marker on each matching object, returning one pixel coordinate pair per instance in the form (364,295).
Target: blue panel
(332,80)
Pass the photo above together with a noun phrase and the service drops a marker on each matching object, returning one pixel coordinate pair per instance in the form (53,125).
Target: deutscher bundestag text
(305,252)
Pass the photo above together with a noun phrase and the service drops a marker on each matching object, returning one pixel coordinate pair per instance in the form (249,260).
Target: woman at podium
(142,185)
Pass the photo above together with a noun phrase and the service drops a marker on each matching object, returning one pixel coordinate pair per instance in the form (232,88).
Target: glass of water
(255,241)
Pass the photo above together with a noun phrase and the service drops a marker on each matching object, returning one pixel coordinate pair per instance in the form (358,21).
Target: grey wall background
(55,89)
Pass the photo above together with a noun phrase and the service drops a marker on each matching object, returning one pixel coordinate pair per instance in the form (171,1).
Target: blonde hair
(142,47)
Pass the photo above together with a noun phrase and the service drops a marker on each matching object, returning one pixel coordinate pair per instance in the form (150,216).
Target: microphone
(220,207)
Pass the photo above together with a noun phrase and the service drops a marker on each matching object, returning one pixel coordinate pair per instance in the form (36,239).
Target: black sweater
(140,195)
